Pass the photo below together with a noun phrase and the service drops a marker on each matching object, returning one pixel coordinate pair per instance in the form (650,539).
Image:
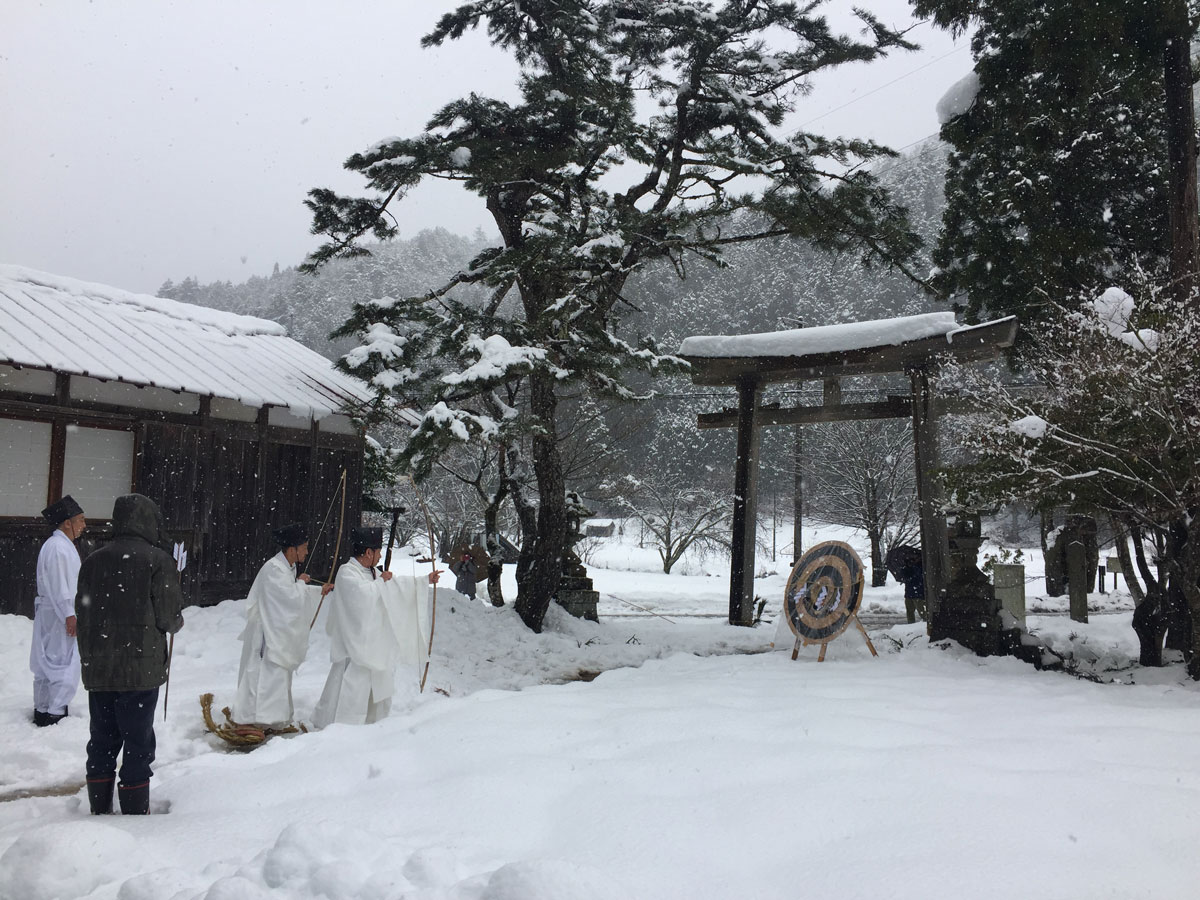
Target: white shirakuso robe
(54,655)
(374,626)
(279,610)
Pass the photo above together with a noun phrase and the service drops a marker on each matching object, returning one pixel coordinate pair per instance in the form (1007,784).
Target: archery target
(824,592)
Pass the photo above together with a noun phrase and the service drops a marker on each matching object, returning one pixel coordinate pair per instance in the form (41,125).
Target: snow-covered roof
(81,328)
(822,338)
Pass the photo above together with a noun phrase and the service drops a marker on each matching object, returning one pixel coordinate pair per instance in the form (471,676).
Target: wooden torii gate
(914,345)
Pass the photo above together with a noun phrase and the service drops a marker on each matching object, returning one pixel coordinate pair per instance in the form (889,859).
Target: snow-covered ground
(695,765)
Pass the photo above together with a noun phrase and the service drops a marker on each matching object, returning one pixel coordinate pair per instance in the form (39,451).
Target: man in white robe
(54,656)
(376,622)
(279,612)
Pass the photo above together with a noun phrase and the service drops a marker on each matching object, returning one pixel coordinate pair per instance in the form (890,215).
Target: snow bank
(67,859)
(514,777)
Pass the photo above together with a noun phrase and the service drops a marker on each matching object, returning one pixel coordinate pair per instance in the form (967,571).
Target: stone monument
(575,593)
(970,612)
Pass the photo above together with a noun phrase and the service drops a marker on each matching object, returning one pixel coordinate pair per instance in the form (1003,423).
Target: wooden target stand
(823,596)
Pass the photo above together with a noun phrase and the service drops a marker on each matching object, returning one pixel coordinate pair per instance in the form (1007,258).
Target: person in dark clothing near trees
(128,601)
(465,571)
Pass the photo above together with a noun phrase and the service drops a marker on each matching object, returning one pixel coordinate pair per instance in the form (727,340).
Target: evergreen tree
(1058,175)
(585,191)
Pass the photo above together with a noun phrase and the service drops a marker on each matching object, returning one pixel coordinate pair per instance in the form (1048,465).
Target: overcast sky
(142,140)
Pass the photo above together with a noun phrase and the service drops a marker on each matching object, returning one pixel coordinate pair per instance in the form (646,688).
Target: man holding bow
(376,622)
(279,612)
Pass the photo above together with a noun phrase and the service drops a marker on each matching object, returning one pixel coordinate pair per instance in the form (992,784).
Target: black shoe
(135,799)
(100,794)
(41,719)
(52,719)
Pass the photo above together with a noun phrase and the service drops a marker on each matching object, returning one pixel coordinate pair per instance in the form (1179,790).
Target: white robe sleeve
(286,607)
(58,574)
(357,623)
(408,619)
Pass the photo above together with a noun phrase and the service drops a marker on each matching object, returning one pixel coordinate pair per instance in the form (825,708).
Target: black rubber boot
(135,799)
(100,791)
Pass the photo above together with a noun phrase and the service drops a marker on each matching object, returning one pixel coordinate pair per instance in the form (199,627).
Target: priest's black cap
(292,535)
(66,508)
(366,538)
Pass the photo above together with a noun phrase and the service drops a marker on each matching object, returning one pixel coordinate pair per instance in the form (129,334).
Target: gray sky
(142,140)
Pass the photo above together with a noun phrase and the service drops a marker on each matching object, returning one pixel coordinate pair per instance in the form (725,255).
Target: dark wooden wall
(222,487)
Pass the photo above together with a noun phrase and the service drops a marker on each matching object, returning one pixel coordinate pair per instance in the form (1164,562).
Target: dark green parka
(127,602)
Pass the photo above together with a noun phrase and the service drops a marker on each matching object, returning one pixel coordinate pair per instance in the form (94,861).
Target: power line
(882,86)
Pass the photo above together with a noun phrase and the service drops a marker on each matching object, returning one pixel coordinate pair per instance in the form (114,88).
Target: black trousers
(122,719)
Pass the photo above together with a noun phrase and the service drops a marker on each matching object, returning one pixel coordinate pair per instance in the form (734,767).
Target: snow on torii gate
(914,345)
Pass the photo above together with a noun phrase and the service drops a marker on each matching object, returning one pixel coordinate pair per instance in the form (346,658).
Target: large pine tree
(642,126)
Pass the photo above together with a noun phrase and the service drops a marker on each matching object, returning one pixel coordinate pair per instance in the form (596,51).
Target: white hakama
(54,655)
(279,610)
(374,627)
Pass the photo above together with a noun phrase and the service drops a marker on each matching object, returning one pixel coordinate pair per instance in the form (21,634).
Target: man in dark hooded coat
(128,601)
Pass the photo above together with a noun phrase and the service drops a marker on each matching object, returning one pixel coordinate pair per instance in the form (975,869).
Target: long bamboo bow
(338,547)
(433,568)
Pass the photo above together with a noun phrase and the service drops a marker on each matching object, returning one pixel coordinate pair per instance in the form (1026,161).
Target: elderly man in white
(376,623)
(279,612)
(54,657)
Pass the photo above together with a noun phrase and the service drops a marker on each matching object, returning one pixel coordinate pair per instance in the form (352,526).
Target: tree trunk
(1139,552)
(537,579)
(491,525)
(878,569)
(1150,625)
(1181,151)
(1121,541)
(526,526)
(1188,570)
(1179,619)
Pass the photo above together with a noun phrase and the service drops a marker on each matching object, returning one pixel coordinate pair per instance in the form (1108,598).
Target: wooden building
(228,424)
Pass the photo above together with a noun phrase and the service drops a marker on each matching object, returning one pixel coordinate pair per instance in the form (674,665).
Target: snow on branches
(1113,420)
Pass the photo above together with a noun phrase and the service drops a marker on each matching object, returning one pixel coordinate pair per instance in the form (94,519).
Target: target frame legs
(800,642)
(866,637)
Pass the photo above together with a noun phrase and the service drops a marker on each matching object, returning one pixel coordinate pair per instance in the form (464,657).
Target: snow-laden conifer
(641,127)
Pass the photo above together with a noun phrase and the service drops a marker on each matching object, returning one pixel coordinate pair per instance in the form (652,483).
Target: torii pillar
(745,505)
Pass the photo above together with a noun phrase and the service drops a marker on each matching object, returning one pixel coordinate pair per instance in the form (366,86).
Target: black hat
(292,535)
(366,538)
(66,508)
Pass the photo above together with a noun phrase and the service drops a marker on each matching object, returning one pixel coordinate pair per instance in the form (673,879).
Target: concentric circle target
(824,592)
